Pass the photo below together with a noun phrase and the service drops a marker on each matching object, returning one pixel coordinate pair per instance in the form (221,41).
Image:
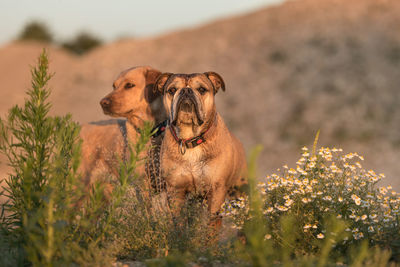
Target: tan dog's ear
(216,80)
(160,82)
(151,76)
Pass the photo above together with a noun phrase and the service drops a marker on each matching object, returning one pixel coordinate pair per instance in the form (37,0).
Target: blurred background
(291,67)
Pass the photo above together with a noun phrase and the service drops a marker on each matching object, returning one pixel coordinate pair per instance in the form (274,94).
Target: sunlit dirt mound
(290,70)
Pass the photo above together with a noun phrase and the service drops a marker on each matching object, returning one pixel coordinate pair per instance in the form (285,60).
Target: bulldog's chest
(190,171)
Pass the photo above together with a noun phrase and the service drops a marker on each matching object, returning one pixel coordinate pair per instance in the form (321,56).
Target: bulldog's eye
(114,87)
(172,90)
(202,90)
(129,85)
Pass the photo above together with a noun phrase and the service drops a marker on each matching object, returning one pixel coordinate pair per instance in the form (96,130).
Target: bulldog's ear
(151,76)
(216,80)
(160,82)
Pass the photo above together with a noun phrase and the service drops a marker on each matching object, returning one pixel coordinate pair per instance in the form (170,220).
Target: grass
(326,211)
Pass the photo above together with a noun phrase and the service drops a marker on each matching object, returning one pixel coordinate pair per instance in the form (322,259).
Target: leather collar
(183,143)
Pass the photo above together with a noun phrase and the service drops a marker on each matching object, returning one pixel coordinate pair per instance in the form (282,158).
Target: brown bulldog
(105,142)
(198,153)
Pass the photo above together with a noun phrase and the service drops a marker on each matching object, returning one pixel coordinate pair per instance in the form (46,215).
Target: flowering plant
(324,183)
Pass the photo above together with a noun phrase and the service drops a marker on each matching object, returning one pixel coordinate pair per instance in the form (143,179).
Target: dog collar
(159,128)
(191,142)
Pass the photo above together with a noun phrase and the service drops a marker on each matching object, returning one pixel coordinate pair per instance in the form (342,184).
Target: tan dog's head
(133,93)
(189,98)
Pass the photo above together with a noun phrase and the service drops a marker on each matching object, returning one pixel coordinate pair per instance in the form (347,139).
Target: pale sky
(110,20)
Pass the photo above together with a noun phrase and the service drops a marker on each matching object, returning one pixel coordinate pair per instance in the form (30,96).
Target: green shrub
(43,154)
(82,43)
(41,224)
(36,31)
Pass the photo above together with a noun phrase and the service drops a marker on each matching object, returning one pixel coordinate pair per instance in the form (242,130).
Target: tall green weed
(41,223)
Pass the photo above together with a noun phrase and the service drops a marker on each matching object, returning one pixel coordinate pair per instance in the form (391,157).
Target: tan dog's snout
(105,103)
(132,93)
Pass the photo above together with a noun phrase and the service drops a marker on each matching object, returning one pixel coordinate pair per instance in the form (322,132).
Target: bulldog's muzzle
(188,102)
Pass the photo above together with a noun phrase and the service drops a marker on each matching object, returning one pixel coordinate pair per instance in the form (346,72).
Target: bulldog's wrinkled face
(132,92)
(189,98)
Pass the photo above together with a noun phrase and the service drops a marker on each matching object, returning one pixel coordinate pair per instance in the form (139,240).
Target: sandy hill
(290,70)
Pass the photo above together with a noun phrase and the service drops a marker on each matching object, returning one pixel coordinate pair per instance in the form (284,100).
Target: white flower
(301,171)
(358,235)
(282,208)
(382,190)
(311,165)
(270,209)
(320,236)
(288,202)
(356,199)
(261,184)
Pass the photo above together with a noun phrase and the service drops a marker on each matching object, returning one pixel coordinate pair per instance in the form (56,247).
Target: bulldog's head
(189,98)
(132,93)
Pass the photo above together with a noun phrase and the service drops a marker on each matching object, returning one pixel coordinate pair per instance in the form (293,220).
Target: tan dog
(198,153)
(105,143)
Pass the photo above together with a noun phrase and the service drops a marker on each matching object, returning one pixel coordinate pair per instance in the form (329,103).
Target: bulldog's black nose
(186,90)
(105,102)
